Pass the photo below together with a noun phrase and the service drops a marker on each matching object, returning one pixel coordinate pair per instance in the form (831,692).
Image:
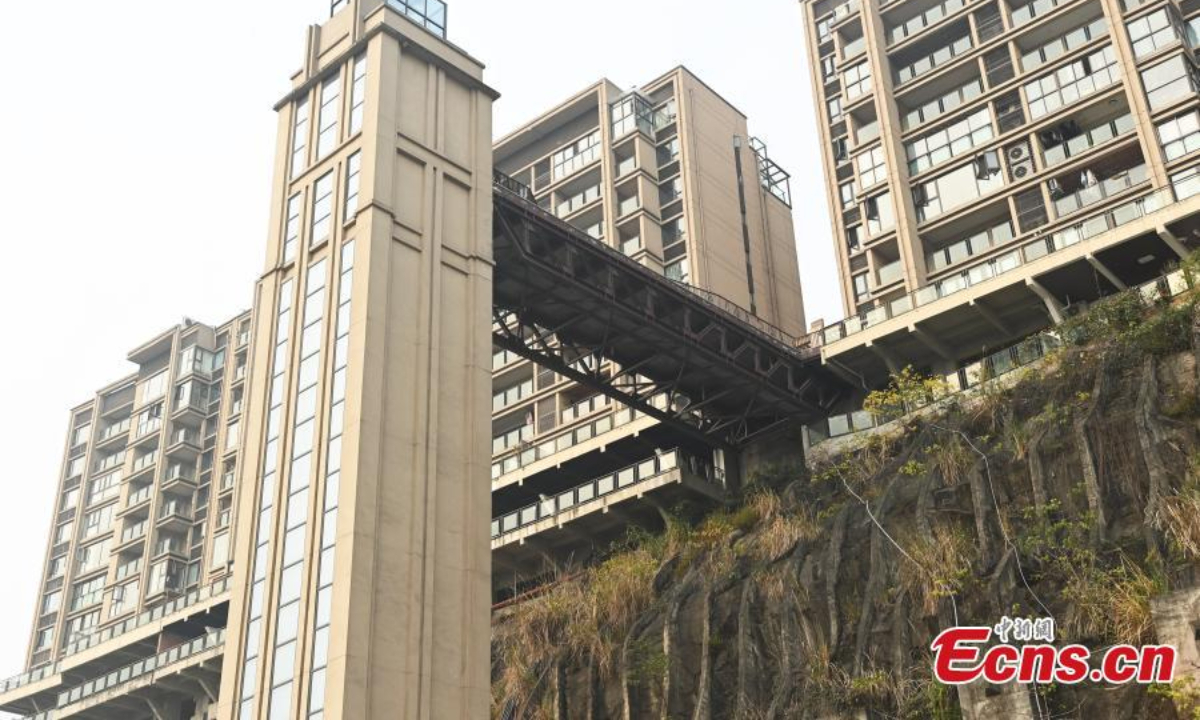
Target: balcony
(190,604)
(185,442)
(1101,190)
(585,407)
(890,273)
(1086,140)
(107,695)
(512,395)
(175,516)
(919,22)
(1030,250)
(143,465)
(137,501)
(113,433)
(511,439)
(132,536)
(938,58)
(147,429)
(670,477)
(191,409)
(167,546)
(179,479)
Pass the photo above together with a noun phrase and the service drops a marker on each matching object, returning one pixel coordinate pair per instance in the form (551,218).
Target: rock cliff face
(1072,493)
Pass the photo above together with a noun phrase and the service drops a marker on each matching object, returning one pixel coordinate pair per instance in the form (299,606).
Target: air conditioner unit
(1020,160)
(1017,153)
(1020,172)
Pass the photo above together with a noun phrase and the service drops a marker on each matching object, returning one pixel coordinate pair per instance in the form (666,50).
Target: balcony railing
(934,60)
(890,273)
(1024,253)
(585,408)
(141,668)
(185,436)
(1106,188)
(150,616)
(993,366)
(134,532)
(26,678)
(143,462)
(510,439)
(916,24)
(605,485)
(139,497)
(121,428)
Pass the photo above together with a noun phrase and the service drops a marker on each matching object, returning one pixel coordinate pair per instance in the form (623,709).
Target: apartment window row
(973,245)
(329,113)
(291,232)
(582,152)
(353,178)
(287,605)
(950,141)
(332,486)
(92,557)
(578,200)
(943,104)
(958,187)
(872,167)
(1064,44)
(922,20)
(82,626)
(1180,135)
(937,58)
(1068,140)
(262,532)
(834,107)
(87,593)
(846,195)
(124,598)
(98,521)
(857,81)
(1026,13)
(674,240)
(1170,81)
(1155,31)
(1071,82)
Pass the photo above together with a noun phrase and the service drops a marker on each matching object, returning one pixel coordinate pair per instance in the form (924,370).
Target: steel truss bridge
(563,300)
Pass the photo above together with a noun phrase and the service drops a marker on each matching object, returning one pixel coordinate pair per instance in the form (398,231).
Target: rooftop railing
(429,14)
(141,668)
(27,678)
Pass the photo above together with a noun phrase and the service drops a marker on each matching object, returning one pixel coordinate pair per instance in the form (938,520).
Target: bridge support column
(777,455)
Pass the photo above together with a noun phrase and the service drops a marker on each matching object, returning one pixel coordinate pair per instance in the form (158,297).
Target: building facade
(669,175)
(143,523)
(306,535)
(993,166)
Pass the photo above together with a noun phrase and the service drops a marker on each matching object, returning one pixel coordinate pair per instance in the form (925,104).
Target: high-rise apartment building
(140,547)
(993,165)
(307,535)
(668,175)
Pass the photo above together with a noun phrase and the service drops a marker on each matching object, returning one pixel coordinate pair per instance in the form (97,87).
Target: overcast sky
(137,139)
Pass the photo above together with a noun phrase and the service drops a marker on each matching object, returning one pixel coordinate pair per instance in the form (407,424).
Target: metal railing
(179,653)
(1023,253)
(26,678)
(181,603)
(629,476)
(998,364)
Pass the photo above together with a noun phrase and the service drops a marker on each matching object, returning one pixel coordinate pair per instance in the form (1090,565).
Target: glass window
(677,270)
(846,192)
(1180,135)
(943,104)
(583,152)
(1063,44)
(881,214)
(861,288)
(331,110)
(154,387)
(358,93)
(857,80)
(872,168)
(959,187)
(300,138)
(950,141)
(291,232)
(835,109)
(1071,82)
(52,602)
(353,168)
(1154,31)
(322,209)
(1169,81)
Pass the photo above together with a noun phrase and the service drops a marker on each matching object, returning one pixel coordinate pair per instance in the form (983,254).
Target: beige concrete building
(140,551)
(993,166)
(668,174)
(307,535)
